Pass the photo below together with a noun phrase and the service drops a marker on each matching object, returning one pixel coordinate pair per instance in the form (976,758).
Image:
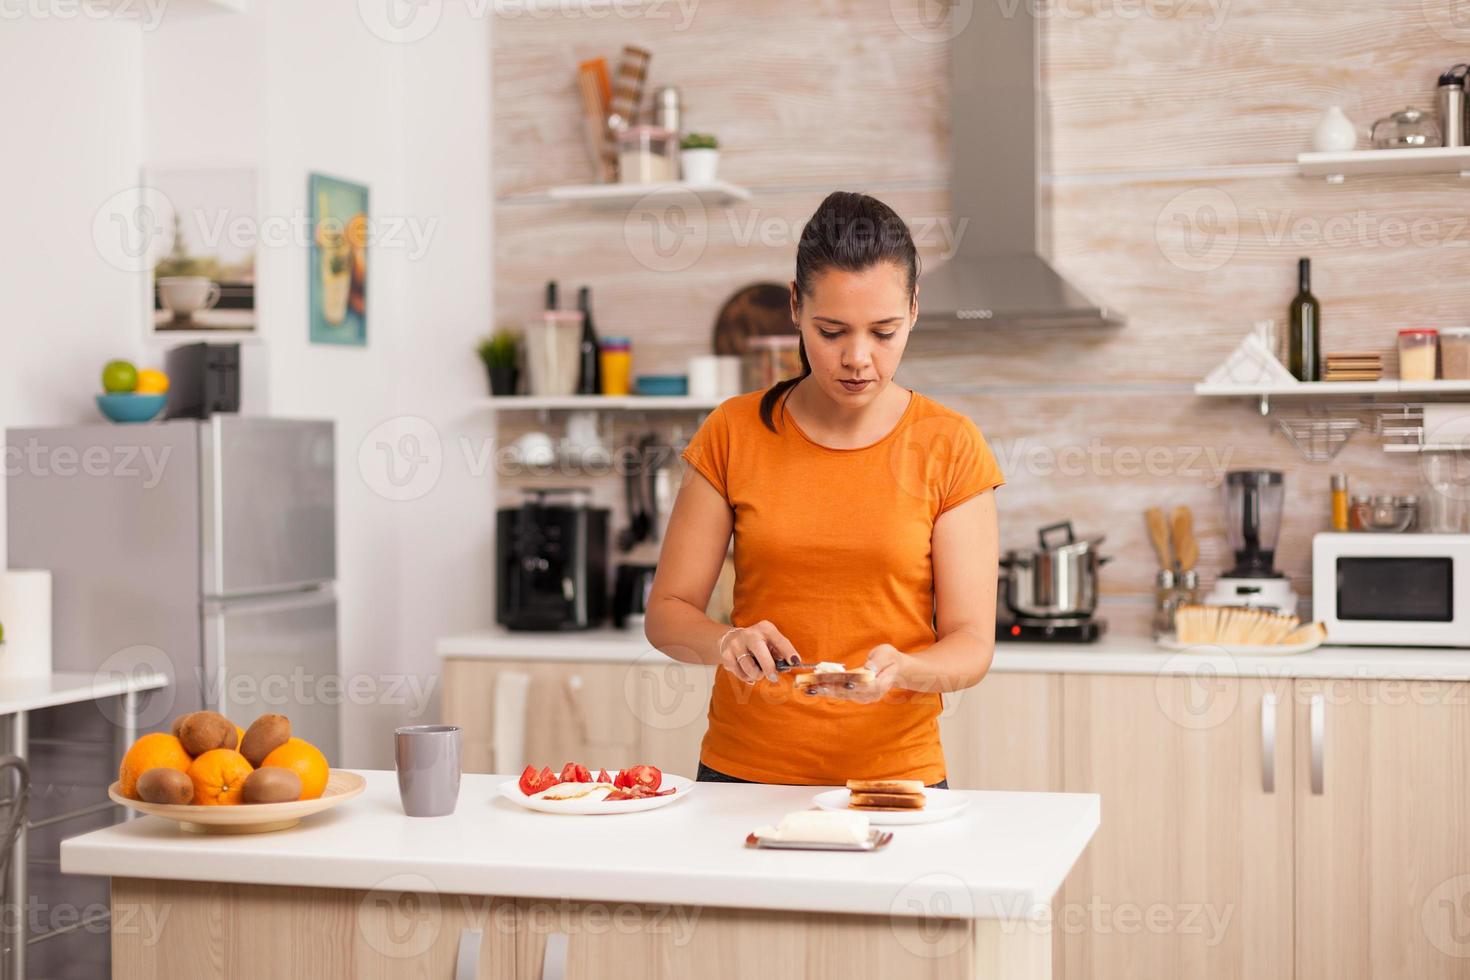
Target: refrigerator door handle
(272,602)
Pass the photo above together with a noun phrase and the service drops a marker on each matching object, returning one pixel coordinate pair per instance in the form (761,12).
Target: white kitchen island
(498,891)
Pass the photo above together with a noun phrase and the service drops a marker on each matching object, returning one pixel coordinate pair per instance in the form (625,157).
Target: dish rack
(1322,433)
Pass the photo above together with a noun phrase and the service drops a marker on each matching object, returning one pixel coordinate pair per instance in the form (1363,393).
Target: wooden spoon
(1158,533)
(1184,541)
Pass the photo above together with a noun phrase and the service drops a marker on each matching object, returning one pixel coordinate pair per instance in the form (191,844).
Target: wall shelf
(716,194)
(1354,163)
(600,403)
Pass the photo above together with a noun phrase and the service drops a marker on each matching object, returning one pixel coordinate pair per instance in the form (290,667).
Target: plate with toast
(894,802)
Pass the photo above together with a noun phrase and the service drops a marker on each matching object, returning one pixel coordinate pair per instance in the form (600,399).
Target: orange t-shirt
(833,547)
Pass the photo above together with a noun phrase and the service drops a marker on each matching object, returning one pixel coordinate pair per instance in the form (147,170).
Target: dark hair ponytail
(851,232)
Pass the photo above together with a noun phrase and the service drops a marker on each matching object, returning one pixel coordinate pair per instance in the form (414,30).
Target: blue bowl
(662,384)
(129,407)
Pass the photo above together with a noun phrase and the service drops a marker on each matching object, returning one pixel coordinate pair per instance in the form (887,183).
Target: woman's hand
(750,652)
(886,663)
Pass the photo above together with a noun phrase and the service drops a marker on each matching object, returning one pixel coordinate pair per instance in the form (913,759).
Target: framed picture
(339,259)
(206,281)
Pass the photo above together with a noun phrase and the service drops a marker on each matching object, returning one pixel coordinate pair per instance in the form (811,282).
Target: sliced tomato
(546,779)
(645,776)
(603,777)
(574,772)
(528,781)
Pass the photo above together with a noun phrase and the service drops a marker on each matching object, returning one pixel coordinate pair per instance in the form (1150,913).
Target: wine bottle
(1304,350)
(551,294)
(589,374)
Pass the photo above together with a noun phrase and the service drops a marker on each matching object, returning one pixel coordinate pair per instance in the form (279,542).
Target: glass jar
(1407,129)
(553,352)
(647,155)
(1417,354)
(1454,353)
(1360,513)
(770,359)
(616,354)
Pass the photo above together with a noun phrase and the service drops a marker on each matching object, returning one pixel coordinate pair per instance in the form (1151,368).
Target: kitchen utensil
(682,786)
(1442,506)
(1058,579)
(594,88)
(704,377)
(939,804)
(627,88)
(1166,600)
(762,309)
(1451,101)
(428,761)
(551,561)
(533,449)
(666,110)
(1158,534)
(249,818)
(1335,132)
(1252,502)
(553,352)
(1407,129)
(1186,547)
(877,840)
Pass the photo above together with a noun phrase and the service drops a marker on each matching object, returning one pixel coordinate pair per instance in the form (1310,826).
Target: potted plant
(699,158)
(501,353)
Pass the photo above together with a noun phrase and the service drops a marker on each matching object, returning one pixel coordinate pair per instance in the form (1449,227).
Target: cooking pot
(1058,579)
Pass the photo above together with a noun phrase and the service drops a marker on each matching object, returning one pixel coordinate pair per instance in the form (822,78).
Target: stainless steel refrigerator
(206,549)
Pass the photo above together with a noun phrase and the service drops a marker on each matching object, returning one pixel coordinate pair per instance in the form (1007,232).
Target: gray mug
(427,757)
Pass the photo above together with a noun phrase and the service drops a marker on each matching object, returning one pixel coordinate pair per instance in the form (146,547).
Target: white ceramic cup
(183,295)
(704,377)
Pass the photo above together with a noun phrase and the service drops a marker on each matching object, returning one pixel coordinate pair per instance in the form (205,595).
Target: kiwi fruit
(205,730)
(178,725)
(265,734)
(271,784)
(165,785)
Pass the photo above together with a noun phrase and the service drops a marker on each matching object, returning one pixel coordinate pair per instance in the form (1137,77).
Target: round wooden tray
(249,818)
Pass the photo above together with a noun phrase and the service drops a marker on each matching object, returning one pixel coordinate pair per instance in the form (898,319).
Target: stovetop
(1078,630)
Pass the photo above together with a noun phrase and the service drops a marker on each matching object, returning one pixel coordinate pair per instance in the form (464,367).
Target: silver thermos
(1452,105)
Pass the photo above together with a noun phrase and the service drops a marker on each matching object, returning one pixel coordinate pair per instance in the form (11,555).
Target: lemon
(151,382)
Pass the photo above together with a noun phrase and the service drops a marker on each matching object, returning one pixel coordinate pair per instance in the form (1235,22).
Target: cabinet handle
(1318,723)
(1268,743)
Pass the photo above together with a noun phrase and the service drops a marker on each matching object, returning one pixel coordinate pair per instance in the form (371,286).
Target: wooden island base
(181,930)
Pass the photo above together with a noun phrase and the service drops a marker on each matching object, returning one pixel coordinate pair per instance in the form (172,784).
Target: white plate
(1238,650)
(683,786)
(939,804)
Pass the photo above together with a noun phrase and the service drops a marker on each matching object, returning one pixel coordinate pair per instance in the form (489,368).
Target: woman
(865,534)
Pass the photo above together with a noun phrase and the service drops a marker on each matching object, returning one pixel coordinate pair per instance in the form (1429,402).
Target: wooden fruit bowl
(248,818)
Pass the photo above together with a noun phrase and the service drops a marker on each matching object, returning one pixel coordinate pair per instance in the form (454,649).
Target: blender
(1253,501)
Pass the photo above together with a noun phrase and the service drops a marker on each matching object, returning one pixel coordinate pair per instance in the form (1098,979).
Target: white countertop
(1113,654)
(49,690)
(1004,856)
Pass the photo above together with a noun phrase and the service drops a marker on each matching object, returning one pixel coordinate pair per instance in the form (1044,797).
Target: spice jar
(1454,353)
(1360,513)
(1417,354)
(1339,502)
(647,155)
(770,359)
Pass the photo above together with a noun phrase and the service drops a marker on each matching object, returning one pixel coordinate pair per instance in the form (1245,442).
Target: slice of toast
(860,677)
(886,801)
(905,786)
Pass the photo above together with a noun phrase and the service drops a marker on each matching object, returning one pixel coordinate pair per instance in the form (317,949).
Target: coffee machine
(551,562)
(1253,501)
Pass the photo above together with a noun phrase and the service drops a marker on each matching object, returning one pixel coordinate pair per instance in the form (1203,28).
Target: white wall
(314,90)
(289,88)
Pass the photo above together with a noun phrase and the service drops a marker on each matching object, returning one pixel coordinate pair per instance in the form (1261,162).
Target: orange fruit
(239,736)
(306,760)
(219,777)
(152,751)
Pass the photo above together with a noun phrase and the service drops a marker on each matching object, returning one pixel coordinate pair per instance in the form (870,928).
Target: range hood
(997,274)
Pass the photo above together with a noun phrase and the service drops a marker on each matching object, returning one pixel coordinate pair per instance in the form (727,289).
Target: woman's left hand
(886,663)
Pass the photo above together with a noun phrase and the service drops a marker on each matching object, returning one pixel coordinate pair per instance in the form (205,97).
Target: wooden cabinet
(596,713)
(1382,850)
(1190,874)
(1005,733)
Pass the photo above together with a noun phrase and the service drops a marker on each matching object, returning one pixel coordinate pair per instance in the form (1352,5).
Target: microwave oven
(1392,589)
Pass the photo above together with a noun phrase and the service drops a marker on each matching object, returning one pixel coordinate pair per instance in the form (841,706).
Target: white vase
(699,166)
(1335,132)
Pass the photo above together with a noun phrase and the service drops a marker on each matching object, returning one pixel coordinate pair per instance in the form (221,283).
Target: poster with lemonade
(338,271)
